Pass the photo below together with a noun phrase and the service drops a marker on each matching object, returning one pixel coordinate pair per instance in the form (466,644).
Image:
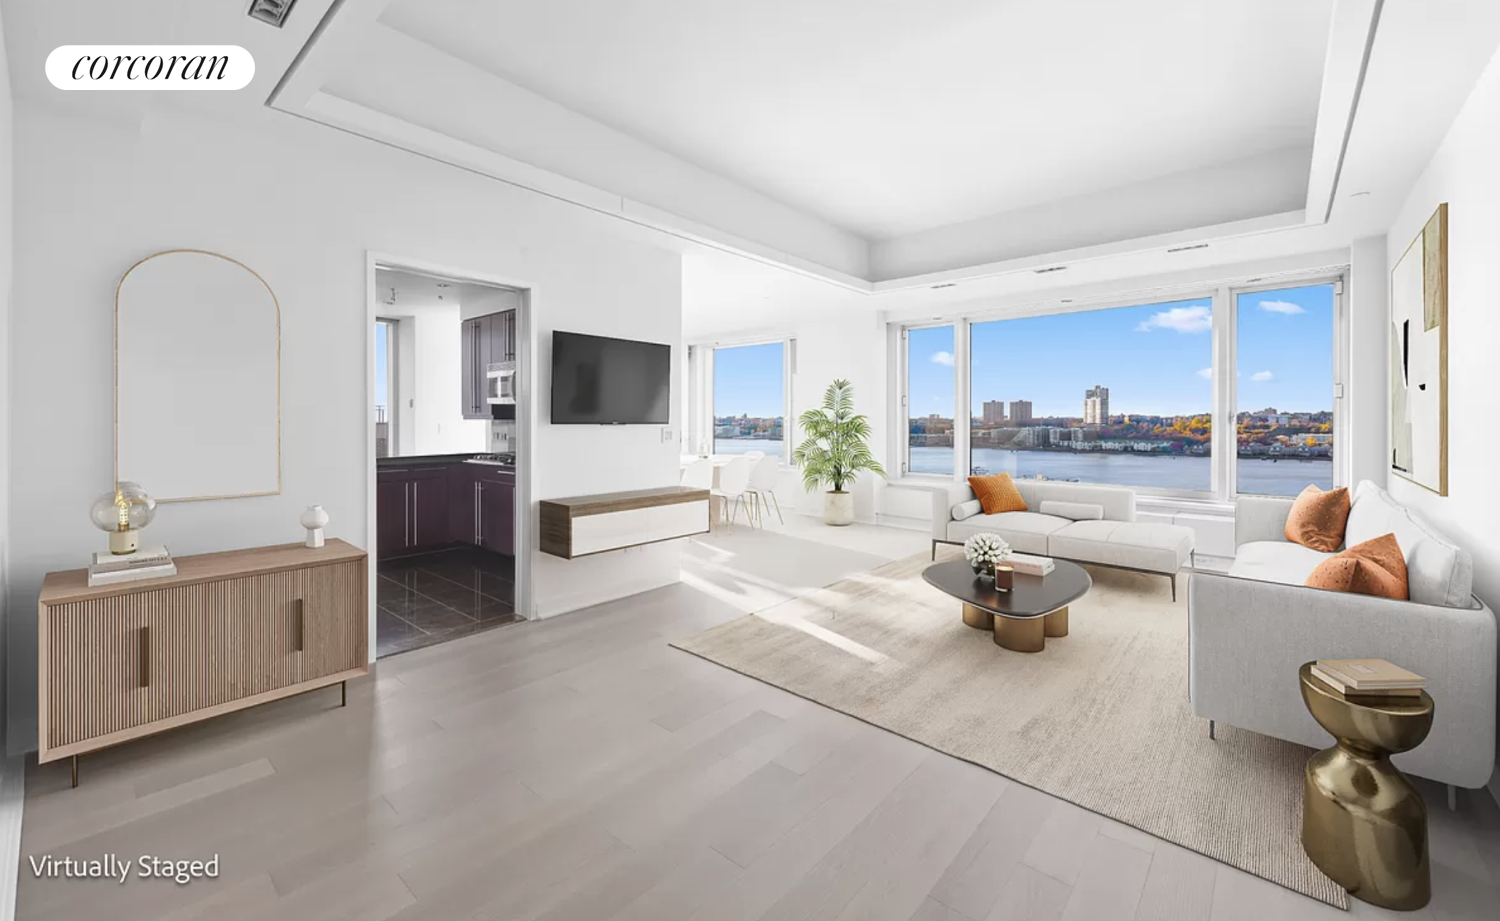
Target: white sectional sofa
(1251,629)
(1086,524)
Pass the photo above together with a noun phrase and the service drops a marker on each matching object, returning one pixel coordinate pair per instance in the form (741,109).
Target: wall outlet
(667,434)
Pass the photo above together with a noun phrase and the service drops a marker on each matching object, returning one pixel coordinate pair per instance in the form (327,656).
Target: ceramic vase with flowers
(984,552)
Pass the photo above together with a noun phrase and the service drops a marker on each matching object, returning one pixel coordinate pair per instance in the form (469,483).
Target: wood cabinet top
(73,584)
(604,503)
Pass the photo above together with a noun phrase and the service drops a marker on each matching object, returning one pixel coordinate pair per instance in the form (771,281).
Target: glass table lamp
(122,514)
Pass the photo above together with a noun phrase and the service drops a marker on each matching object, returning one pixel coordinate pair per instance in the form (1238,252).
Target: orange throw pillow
(1317,519)
(997,494)
(1375,567)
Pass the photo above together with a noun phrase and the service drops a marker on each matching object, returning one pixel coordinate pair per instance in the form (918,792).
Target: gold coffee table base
(1019,634)
(1363,823)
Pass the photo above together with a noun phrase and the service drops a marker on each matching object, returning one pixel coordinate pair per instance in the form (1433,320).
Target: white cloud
(1286,307)
(942,358)
(1262,376)
(1206,373)
(1181,319)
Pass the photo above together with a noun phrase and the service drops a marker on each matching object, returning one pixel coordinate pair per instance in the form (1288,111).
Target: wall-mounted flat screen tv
(602,381)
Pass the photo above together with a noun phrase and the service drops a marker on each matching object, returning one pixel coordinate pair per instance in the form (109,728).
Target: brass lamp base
(122,542)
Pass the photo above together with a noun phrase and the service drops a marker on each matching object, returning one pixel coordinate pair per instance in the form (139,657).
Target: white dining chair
(699,474)
(763,477)
(734,480)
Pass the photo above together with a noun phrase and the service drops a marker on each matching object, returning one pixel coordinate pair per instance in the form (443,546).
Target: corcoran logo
(150,67)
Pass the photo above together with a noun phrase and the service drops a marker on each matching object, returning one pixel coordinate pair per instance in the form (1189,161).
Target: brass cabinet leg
(75,772)
(343,693)
(978,618)
(1028,634)
(1056,623)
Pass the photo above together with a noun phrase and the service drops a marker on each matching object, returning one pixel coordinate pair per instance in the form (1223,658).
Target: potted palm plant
(835,450)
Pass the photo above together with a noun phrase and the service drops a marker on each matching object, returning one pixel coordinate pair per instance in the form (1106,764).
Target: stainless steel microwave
(500,383)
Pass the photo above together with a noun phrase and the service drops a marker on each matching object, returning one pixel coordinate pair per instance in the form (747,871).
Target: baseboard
(904,523)
(12,802)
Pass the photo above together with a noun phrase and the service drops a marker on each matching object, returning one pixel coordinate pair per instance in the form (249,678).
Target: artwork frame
(1418,332)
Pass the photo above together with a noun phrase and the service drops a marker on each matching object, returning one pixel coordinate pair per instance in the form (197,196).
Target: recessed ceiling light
(271,12)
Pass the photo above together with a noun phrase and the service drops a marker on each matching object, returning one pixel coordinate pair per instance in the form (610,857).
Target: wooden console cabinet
(229,631)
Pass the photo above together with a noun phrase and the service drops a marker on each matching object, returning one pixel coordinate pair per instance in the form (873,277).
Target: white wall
(429,392)
(7,135)
(1463,173)
(96,195)
(1369,357)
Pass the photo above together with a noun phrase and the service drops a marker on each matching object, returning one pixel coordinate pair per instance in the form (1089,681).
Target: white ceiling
(888,119)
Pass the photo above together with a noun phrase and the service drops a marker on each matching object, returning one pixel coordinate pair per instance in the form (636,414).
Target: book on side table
(1375,679)
(146,563)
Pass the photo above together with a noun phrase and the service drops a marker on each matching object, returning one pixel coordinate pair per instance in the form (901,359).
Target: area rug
(1099,718)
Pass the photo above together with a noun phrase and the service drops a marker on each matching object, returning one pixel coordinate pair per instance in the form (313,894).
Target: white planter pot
(838,508)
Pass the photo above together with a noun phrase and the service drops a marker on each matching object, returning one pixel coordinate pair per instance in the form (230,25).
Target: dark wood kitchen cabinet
(411,509)
(486,340)
(497,512)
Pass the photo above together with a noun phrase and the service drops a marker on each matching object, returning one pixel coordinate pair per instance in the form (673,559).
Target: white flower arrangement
(983,551)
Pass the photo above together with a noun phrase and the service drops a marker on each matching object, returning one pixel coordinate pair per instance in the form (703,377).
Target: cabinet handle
(414,513)
(479,513)
(145,657)
(301,627)
(406,518)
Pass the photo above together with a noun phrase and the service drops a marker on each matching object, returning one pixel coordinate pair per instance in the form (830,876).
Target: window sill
(919,481)
(1211,508)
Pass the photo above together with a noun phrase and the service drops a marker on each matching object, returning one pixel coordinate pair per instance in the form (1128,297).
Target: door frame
(525,519)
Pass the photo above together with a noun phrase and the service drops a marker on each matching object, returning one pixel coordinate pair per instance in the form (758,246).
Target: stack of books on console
(1371,680)
(1030,565)
(146,563)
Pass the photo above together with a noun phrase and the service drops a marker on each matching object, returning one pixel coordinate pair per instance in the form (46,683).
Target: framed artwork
(1419,358)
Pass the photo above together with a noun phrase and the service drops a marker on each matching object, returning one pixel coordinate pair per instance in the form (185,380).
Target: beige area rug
(1100,718)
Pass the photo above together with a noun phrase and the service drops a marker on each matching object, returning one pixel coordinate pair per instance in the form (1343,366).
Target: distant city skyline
(1156,359)
(749,380)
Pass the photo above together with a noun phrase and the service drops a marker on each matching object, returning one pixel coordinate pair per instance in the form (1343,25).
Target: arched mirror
(197,378)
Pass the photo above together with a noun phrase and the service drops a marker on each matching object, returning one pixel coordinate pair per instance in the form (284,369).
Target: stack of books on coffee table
(1369,680)
(145,563)
(1030,565)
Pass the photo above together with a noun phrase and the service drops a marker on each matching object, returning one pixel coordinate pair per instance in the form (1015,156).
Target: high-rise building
(1020,412)
(994,412)
(1096,406)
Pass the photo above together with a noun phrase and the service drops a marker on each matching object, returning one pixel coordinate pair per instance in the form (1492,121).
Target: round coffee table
(1021,619)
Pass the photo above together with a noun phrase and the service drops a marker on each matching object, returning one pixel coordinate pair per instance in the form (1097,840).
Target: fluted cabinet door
(336,621)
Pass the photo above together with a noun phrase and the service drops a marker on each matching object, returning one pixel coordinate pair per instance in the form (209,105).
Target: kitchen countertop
(424,460)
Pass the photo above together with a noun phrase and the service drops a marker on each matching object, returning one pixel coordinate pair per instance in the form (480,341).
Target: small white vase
(314,520)
(838,508)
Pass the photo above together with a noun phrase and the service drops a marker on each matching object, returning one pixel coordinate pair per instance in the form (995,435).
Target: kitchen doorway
(450,402)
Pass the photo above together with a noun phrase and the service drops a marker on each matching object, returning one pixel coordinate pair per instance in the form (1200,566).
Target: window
(929,400)
(1284,386)
(750,399)
(1122,396)
(385,384)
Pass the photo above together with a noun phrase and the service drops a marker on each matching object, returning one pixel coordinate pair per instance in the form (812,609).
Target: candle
(1005,576)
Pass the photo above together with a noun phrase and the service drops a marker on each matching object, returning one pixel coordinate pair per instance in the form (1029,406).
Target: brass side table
(1363,823)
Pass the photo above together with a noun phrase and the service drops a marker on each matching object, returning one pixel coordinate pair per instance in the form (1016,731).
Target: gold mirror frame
(276,304)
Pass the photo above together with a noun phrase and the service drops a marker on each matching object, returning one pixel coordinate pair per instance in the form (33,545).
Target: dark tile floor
(436,597)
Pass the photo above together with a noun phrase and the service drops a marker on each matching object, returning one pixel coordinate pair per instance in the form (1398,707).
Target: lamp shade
(123,512)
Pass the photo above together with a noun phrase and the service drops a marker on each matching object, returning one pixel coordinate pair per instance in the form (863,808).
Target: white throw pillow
(1077,511)
(967,509)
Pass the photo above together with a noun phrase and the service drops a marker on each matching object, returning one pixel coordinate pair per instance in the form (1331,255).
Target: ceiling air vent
(1055,268)
(950,284)
(271,12)
(1183,249)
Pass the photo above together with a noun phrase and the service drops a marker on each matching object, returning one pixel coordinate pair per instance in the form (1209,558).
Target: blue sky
(1154,359)
(749,381)
(382,398)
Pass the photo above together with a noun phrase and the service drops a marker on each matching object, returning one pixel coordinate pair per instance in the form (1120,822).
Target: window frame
(902,430)
(1223,297)
(1340,363)
(701,383)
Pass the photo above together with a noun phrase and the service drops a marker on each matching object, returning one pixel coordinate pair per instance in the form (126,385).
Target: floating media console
(586,525)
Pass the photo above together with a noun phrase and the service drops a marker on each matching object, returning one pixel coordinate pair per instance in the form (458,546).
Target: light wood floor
(579,768)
